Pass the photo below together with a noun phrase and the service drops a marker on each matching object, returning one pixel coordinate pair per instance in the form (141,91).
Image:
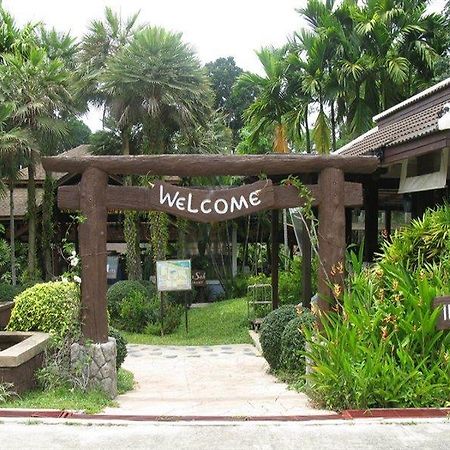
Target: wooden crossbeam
(212,165)
(121,198)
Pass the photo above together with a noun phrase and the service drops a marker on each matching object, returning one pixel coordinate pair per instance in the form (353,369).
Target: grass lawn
(64,398)
(222,322)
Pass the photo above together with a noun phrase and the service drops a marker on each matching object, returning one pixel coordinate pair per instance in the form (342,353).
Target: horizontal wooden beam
(121,198)
(212,165)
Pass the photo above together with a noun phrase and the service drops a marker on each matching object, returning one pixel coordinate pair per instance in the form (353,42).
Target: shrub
(293,341)
(271,331)
(50,307)
(118,292)
(172,318)
(135,311)
(424,241)
(383,349)
(8,292)
(121,344)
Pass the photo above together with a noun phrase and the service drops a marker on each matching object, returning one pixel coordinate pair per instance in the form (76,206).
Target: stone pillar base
(97,363)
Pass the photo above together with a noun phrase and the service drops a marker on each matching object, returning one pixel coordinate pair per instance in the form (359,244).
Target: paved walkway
(432,435)
(226,380)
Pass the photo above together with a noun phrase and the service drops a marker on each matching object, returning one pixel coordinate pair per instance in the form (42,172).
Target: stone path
(225,380)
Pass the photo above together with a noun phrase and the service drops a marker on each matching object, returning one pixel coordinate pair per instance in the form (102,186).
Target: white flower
(64,280)
(77,279)
(74,253)
(74,261)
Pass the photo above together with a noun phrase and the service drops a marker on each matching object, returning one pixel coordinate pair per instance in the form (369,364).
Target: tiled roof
(412,126)
(81,150)
(20,197)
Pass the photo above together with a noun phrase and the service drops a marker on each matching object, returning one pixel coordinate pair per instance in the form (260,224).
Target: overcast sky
(215,28)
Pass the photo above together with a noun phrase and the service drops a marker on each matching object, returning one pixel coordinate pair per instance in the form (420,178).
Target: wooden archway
(94,198)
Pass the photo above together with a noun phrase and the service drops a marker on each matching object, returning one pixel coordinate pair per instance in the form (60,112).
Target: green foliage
(135,311)
(293,341)
(121,344)
(383,349)
(171,320)
(8,292)
(51,307)
(219,323)
(118,292)
(425,241)
(6,392)
(289,282)
(67,398)
(271,332)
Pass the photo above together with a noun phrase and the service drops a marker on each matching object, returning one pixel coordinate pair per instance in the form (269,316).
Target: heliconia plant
(380,346)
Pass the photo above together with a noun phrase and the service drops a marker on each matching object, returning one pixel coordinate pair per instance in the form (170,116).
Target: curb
(407,413)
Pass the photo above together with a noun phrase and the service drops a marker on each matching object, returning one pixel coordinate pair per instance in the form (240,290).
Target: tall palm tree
(40,89)
(272,101)
(156,82)
(161,75)
(14,146)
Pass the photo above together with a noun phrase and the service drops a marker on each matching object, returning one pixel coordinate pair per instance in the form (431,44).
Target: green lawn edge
(219,323)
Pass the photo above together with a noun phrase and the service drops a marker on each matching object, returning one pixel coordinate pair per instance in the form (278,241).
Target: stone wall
(98,364)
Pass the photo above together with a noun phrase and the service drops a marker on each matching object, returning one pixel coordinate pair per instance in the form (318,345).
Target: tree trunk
(12,233)
(307,135)
(32,260)
(333,127)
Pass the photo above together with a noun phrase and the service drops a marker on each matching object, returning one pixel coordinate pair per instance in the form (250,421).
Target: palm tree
(272,101)
(14,145)
(160,75)
(156,83)
(40,90)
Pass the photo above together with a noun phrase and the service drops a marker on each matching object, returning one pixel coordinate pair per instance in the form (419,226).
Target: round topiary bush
(271,331)
(121,290)
(293,340)
(52,307)
(8,292)
(121,344)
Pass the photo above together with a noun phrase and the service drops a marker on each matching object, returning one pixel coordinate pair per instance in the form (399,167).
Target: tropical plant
(40,90)
(272,329)
(52,307)
(14,147)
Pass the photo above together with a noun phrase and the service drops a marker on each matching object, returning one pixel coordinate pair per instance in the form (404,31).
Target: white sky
(214,28)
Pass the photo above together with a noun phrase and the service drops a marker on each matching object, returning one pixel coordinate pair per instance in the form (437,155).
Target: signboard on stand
(173,275)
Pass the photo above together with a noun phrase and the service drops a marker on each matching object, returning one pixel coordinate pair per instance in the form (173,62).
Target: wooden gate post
(331,234)
(92,233)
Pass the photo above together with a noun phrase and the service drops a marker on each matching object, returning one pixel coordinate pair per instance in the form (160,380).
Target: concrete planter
(5,313)
(21,353)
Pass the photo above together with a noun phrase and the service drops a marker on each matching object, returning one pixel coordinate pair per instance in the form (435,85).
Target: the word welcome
(206,205)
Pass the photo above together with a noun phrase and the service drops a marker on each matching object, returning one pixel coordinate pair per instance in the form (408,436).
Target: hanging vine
(48,232)
(159,229)
(131,235)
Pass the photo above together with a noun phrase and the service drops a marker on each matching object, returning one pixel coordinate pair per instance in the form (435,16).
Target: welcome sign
(213,205)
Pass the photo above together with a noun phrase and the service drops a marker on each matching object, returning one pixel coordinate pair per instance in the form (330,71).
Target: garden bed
(21,354)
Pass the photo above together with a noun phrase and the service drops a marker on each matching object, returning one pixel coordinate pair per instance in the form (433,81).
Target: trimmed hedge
(52,307)
(272,329)
(121,344)
(121,290)
(293,340)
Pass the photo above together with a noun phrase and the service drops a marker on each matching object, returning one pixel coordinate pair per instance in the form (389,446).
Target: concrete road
(217,380)
(423,435)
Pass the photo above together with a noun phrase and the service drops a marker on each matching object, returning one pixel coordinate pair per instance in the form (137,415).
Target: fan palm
(161,75)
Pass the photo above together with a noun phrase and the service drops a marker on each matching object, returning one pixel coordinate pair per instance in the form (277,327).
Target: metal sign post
(173,275)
